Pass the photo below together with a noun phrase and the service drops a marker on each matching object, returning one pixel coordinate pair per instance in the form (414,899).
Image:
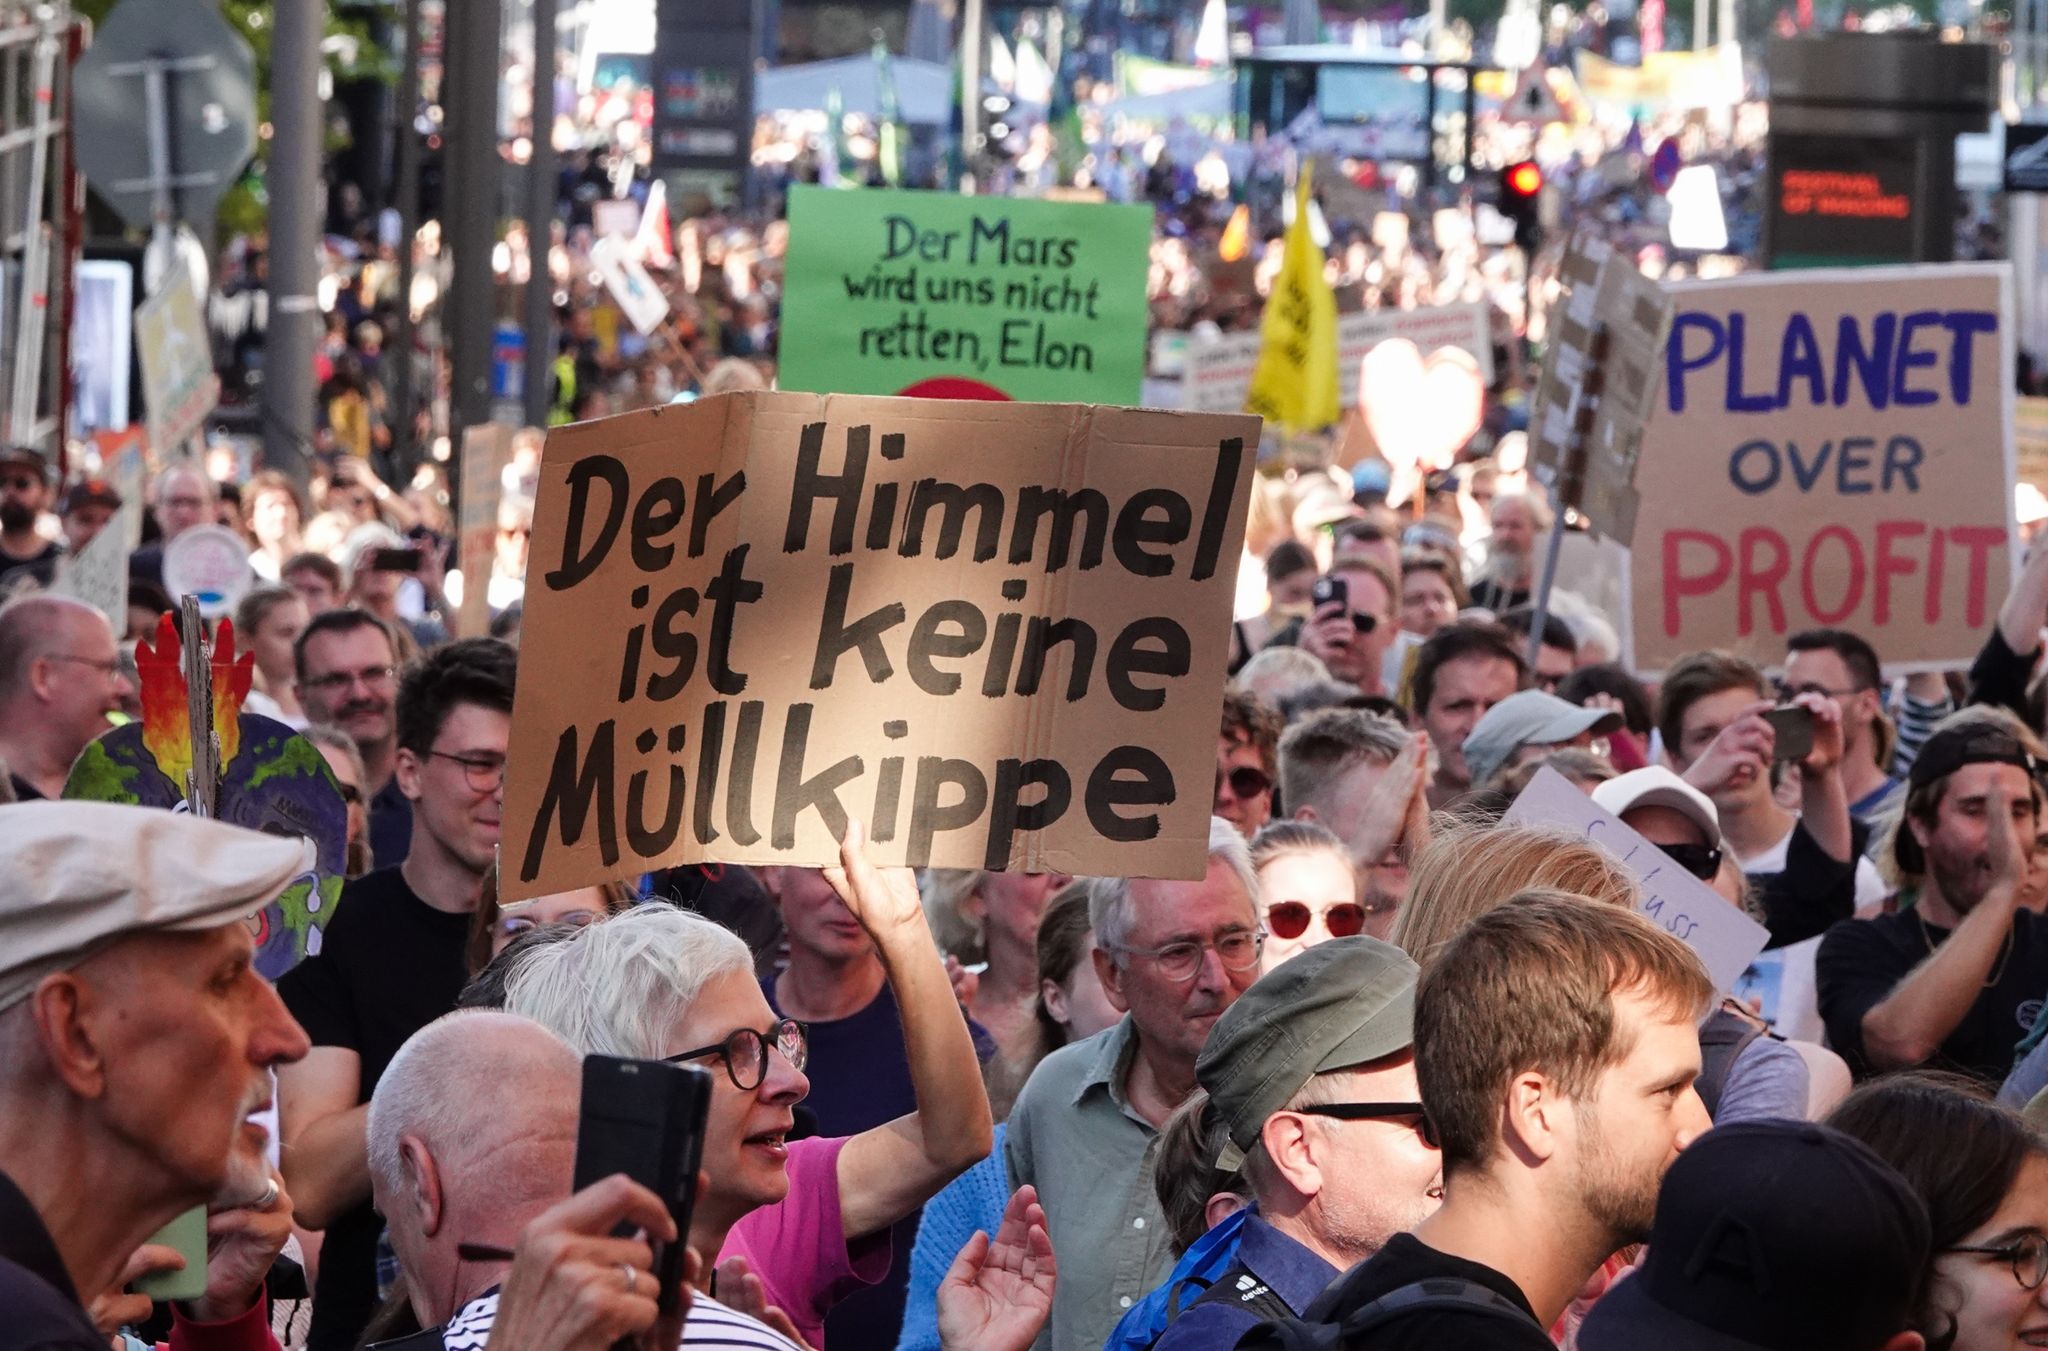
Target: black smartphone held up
(1329,591)
(645,1118)
(1792,724)
(396,560)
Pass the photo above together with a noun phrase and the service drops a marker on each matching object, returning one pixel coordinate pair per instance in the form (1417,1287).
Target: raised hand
(882,899)
(998,1293)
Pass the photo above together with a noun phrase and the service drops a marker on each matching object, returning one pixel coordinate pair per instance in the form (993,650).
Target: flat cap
(75,876)
(1346,1002)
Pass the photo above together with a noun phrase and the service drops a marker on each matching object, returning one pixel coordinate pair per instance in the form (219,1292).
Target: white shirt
(709,1324)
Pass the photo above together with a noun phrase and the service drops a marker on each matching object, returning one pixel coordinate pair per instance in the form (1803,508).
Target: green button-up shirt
(1075,1136)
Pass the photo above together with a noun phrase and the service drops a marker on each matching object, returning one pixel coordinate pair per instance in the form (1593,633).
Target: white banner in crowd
(1219,372)
(1726,940)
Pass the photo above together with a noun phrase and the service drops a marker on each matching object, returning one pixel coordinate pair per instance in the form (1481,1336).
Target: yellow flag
(1295,382)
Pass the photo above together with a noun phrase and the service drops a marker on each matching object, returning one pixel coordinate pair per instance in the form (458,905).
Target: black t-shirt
(388,965)
(1862,961)
(1404,1261)
(1813,891)
(42,567)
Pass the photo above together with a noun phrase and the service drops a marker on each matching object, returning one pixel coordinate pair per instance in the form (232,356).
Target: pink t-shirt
(798,1246)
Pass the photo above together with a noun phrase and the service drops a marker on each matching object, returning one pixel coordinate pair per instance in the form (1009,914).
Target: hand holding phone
(645,1119)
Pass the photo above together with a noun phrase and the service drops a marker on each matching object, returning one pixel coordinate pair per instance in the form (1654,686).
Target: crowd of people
(1394,1072)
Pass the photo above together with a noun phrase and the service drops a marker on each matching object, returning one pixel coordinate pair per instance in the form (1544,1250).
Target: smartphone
(1329,591)
(187,1234)
(1793,726)
(395,560)
(645,1118)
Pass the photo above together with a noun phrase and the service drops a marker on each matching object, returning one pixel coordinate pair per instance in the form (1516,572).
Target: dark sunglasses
(1246,781)
(19,480)
(350,794)
(1362,1111)
(1290,919)
(1701,860)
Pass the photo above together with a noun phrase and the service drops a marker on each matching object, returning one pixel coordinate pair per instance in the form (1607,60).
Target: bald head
(184,497)
(34,626)
(445,1088)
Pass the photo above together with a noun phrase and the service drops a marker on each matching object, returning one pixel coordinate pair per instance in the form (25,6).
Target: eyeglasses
(1246,781)
(334,682)
(106,666)
(1362,1111)
(1364,623)
(510,926)
(19,482)
(483,773)
(1290,919)
(2028,1255)
(350,794)
(1238,950)
(745,1052)
(1701,860)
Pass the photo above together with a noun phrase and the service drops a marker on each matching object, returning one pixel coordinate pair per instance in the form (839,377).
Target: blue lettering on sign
(1885,360)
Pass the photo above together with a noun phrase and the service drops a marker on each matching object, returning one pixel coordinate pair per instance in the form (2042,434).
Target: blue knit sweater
(974,1200)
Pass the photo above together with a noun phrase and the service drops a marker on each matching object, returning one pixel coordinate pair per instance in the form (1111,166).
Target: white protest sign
(98,573)
(211,564)
(644,305)
(1725,939)
(178,379)
(1219,372)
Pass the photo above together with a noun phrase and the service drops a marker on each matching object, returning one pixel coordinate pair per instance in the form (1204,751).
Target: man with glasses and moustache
(346,664)
(1173,956)
(392,958)
(60,677)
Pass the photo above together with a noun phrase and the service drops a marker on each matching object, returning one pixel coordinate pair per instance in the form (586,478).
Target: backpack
(1435,1293)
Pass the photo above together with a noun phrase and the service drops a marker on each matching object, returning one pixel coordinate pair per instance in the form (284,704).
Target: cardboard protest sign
(643,302)
(98,573)
(988,630)
(930,293)
(485,449)
(178,379)
(1605,342)
(1219,372)
(1830,449)
(1725,939)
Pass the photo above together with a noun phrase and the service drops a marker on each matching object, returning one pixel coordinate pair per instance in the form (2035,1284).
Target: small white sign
(1725,939)
(643,302)
(211,564)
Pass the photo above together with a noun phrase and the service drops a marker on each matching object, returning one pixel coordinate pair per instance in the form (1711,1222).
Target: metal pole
(973,47)
(470,94)
(293,177)
(540,218)
(406,197)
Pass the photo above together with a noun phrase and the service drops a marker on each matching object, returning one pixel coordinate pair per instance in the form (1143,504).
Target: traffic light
(1521,193)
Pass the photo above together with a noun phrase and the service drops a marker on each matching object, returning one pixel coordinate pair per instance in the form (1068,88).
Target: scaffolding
(41,216)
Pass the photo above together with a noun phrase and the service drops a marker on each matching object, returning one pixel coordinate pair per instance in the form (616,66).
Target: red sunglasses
(1290,919)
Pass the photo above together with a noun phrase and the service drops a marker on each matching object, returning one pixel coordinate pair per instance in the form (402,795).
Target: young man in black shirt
(1556,1046)
(1955,975)
(392,961)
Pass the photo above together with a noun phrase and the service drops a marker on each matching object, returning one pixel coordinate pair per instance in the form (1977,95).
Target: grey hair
(1109,898)
(440,1090)
(620,986)
(340,742)
(944,891)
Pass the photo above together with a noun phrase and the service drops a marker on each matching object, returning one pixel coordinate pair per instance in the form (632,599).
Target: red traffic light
(1524,179)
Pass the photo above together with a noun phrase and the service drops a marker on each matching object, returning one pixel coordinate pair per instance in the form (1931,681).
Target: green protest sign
(939,295)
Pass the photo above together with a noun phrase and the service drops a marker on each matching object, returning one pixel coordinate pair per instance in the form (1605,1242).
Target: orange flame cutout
(232,680)
(166,722)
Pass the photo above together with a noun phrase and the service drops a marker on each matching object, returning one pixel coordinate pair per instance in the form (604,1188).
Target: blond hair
(1468,872)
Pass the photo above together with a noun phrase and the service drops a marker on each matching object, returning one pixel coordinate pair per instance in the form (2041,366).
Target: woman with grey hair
(809,1217)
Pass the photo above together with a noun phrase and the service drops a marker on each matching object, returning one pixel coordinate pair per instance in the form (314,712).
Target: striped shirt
(710,1324)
